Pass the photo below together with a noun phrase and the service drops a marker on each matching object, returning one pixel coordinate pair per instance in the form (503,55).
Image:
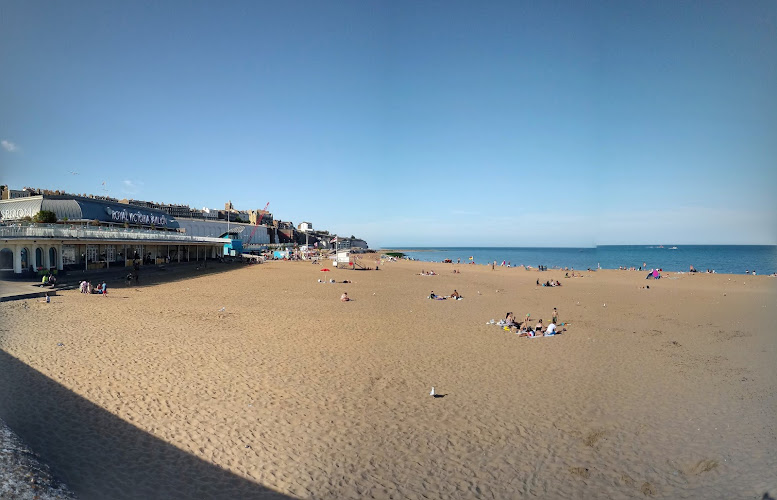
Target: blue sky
(408,123)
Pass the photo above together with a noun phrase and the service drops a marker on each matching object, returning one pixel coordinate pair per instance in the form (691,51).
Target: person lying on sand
(525,331)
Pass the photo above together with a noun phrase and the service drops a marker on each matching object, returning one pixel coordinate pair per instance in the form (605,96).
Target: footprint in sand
(580,471)
(701,467)
(593,437)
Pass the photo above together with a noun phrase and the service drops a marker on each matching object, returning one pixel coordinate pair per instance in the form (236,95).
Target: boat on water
(673,248)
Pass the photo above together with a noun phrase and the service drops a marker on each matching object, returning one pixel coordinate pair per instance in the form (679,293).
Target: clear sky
(408,123)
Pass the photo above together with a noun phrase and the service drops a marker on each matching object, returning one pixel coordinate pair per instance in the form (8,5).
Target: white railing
(57,231)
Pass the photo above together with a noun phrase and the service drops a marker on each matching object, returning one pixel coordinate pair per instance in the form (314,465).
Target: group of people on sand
(430,273)
(524,328)
(48,280)
(549,283)
(709,271)
(455,296)
(87,287)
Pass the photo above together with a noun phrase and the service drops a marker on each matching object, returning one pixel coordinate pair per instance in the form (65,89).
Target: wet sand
(157,392)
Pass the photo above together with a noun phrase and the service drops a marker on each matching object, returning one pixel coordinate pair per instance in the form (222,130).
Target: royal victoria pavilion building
(97,234)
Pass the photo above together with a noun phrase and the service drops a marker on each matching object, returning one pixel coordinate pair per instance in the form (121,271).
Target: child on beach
(344,297)
(554,317)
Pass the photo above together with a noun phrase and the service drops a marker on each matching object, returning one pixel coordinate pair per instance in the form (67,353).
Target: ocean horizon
(727,259)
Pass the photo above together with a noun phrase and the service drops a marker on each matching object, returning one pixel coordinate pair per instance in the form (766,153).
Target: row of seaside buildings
(98,232)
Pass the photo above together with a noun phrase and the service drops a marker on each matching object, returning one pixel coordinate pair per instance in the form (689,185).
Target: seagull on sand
(432,393)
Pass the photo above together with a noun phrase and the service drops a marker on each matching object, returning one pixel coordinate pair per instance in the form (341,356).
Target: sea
(728,259)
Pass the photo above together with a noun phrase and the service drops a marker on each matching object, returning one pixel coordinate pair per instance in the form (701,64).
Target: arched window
(53,257)
(6,259)
(39,256)
(25,258)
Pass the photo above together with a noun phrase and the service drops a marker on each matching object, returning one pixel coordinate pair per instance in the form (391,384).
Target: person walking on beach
(554,318)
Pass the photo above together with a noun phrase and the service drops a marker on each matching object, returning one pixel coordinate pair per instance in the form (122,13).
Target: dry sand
(155,392)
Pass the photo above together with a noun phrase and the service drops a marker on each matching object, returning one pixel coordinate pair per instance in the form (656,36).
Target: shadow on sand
(99,455)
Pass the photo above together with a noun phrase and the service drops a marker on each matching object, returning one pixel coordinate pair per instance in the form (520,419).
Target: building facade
(92,234)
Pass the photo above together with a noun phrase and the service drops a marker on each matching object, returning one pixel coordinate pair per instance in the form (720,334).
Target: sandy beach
(258,382)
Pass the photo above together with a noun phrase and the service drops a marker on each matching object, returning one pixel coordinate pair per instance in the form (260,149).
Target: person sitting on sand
(344,297)
(45,280)
(455,295)
(550,330)
(510,319)
(539,328)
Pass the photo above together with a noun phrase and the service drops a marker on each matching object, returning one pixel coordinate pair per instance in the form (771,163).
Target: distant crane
(259,217)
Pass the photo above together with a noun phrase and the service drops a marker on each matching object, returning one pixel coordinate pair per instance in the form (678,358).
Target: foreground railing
(75,232)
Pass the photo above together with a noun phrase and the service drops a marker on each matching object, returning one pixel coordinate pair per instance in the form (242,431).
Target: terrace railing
(58,231)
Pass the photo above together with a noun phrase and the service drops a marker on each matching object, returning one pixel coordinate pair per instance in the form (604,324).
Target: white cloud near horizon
(130,187)
(9,146)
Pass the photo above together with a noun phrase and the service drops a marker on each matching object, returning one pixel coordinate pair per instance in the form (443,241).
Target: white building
(210,213)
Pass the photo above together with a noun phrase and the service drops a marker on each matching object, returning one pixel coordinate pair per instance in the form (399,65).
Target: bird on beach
(432,393)
(222,309)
